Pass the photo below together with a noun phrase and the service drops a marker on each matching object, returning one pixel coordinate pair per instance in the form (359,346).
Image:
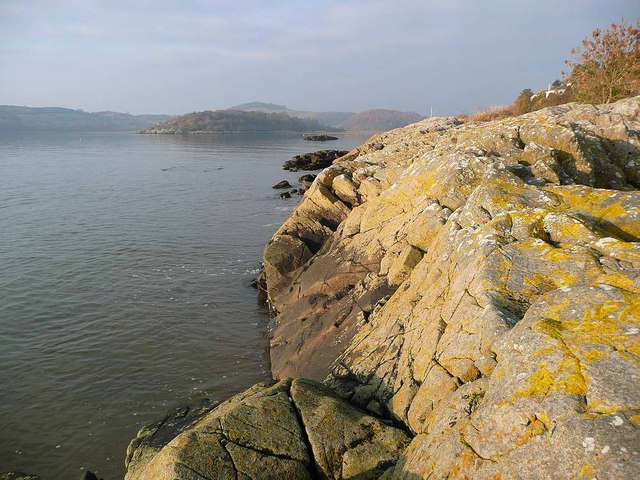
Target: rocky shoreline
(468,295)
(310,162)
(450,301)
(314,160)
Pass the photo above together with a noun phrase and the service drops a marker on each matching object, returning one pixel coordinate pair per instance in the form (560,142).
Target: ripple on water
(125,288)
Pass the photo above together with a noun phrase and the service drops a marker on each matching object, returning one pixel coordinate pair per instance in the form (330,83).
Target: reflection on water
(126,264)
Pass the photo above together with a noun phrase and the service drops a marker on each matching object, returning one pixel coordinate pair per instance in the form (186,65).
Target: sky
(179,56)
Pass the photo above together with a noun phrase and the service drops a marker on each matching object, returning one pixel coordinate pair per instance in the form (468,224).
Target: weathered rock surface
(313,161)
(480,285)
(294,429)
(151,438)
(477,285)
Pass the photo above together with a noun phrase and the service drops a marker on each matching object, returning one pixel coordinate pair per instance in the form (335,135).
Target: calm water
(124,284)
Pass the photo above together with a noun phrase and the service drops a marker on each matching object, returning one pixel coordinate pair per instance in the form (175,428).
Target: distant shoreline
(252,132)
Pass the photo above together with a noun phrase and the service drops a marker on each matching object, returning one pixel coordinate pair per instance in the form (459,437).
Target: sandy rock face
(480,285)
(293,430)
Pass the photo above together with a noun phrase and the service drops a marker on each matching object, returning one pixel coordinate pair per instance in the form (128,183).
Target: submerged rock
(18,476)
(89,476)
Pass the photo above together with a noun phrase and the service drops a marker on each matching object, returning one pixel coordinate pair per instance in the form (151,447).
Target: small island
(236,121)
(319,138)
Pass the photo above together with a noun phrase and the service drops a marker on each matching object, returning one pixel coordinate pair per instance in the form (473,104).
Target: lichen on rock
(505,254)
(477,285)
(292,429)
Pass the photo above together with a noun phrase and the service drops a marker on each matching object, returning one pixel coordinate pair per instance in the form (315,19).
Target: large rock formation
(476,284)
(479,284)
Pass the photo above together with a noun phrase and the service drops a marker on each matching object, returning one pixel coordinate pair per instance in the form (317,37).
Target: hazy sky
(179,56)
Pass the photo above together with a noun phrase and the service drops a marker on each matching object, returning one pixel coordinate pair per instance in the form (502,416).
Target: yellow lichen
(540,383)
(587,471)
(593,355)
(618,280)
(544,418)
(565,377)
(540,282)
(534,428)
(553,311)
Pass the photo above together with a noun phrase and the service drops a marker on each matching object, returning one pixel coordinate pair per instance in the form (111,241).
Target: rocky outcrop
(153,437)
(292,429)
(478,285)
(313,161)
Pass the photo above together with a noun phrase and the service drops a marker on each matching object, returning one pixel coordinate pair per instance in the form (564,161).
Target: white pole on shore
(431,112)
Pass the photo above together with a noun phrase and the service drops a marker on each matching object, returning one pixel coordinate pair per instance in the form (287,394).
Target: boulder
(291,429)
(313,161)
(282,184)
(307,177)
(153,437)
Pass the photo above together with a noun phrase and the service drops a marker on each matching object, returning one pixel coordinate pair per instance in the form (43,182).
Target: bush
(494,113)
(524,102)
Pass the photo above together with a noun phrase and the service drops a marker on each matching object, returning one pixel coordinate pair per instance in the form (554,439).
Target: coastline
(184,193)
(424,296)
(352,274)
(258,132)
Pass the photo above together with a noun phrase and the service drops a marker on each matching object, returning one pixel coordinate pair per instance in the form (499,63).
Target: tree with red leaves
(607,66)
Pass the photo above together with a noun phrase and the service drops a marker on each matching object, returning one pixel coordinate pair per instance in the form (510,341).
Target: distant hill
(327,119)
(379,120)
(14,118)
(260,107)
(237,121)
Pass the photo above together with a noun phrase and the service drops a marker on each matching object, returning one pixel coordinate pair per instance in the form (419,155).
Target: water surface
(126,263)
